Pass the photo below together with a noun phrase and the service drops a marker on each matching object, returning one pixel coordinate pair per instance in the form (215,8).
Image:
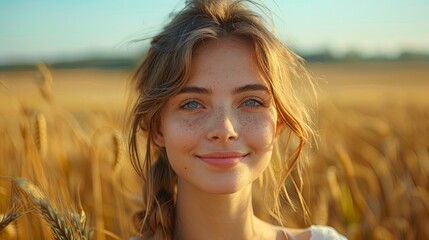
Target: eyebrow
(245,88)
(192,89)
(251,87)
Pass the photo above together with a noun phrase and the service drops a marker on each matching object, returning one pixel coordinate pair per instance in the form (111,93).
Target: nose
(222,126)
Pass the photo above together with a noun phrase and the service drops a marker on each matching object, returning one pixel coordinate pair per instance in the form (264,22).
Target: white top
(319,232)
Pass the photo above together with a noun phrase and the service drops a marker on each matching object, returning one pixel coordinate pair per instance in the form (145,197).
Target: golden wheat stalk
(333,184)
(354,188)
(46,87)
(79,224)
(26,129)
(13,214)
(59,224)
(97,189)
(118,150)
(56,222)
(35,140)
(41,134)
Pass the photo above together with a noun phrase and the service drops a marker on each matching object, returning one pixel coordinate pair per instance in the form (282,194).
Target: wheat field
(65,172)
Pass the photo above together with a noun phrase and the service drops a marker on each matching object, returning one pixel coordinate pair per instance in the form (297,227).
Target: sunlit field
(65,172)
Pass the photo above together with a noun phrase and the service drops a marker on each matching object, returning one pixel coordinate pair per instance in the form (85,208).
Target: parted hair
(163,72)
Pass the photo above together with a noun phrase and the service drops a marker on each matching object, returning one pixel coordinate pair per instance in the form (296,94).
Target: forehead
(212,50)
(225,60)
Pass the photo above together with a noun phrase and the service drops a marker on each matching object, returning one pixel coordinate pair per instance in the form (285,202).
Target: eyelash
(258,101)
(185,105)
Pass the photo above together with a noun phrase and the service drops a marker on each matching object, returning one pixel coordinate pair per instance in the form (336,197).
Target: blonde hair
(165,70)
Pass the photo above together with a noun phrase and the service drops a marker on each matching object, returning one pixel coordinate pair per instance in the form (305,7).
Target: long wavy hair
(165,69)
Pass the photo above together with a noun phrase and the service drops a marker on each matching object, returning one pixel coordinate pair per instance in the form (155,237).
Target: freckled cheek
(181,140)
(183,131)
(258,129)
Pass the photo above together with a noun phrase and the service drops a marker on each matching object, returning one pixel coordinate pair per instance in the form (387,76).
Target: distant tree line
(132,62)
(355,56)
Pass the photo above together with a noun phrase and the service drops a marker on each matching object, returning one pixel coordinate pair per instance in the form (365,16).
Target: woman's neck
(201,215)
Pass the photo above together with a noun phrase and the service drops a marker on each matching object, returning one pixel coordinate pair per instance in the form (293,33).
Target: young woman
(216,92)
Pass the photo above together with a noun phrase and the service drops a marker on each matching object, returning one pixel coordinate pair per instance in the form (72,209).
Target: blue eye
(252,103)
(191,105)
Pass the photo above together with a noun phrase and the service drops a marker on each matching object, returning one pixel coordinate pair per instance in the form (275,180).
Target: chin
(222,190)
(223,185)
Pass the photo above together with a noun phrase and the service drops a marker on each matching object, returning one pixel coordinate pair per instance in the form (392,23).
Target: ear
(158,138)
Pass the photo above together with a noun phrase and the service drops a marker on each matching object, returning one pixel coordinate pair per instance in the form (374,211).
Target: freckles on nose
(223,118)
(221,124)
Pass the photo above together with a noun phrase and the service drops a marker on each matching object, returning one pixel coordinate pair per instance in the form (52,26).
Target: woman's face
(219,130)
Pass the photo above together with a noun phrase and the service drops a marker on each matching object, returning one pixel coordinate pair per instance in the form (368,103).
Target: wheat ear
(57,223)
(46,87)
(118,150)
(13,214)
(41,134)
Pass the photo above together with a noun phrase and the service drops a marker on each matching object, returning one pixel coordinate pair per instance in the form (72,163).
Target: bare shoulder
(314,232)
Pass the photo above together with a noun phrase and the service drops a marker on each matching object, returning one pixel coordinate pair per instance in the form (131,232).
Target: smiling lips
(222,159)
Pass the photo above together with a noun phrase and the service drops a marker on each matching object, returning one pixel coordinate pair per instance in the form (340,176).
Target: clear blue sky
(51,29)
